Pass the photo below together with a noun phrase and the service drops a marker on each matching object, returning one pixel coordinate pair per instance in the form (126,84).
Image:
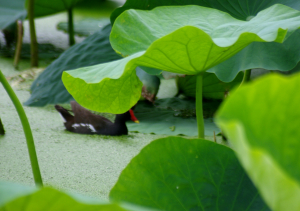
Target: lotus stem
(2,131)
(246,77)
(33,40)
(71,27)
(19,43)
(199,108)
(27,131)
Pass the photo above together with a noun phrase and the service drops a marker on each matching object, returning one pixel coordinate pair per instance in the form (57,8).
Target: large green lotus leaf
(213,88)
(240,9)
(111,95)
(46,7)
(173,116)
(151,38)
(174,173)
(48,87)
(271,56)
(262,120)
(10,11)
(272,24)
(15,197)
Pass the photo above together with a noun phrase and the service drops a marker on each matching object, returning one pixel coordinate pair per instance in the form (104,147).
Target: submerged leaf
(174,173)
(175,39)
(261,120)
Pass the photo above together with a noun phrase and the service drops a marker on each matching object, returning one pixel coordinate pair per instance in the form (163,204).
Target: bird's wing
(67,117)
(84,116)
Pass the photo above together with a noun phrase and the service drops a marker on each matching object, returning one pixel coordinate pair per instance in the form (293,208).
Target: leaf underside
(240,9)
(271,56)
(175,39)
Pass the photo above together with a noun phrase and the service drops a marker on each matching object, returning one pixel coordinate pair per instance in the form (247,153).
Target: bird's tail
(67,117)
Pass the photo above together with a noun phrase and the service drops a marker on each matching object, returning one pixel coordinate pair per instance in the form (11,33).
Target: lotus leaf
(261,120)
(240,9)
(15,197)
(175,39)
(174,173)
(271,56)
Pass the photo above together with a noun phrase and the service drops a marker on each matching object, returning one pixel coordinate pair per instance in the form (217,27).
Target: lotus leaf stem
(246,77)
(19,43)
(199,108)
(71,27)
(2,131)
(27,130)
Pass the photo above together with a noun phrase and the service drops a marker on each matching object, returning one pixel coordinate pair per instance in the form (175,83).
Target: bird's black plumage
(85,122)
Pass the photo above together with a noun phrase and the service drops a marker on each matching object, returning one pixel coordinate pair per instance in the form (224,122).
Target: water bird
(85,122)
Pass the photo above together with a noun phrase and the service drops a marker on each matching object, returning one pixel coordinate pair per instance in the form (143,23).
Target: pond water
(81,163)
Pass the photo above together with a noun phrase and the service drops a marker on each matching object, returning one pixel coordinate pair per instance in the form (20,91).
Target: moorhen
(85,122)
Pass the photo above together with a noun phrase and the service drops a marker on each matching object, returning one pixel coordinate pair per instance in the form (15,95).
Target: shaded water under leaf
(173,116)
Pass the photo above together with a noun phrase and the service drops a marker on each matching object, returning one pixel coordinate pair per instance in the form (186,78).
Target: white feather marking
(75,125)
(91,127)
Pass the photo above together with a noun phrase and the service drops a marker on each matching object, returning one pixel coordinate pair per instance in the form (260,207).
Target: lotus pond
(178,159)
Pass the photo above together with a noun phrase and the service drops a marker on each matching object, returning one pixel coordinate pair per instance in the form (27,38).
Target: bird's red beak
(133,118)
